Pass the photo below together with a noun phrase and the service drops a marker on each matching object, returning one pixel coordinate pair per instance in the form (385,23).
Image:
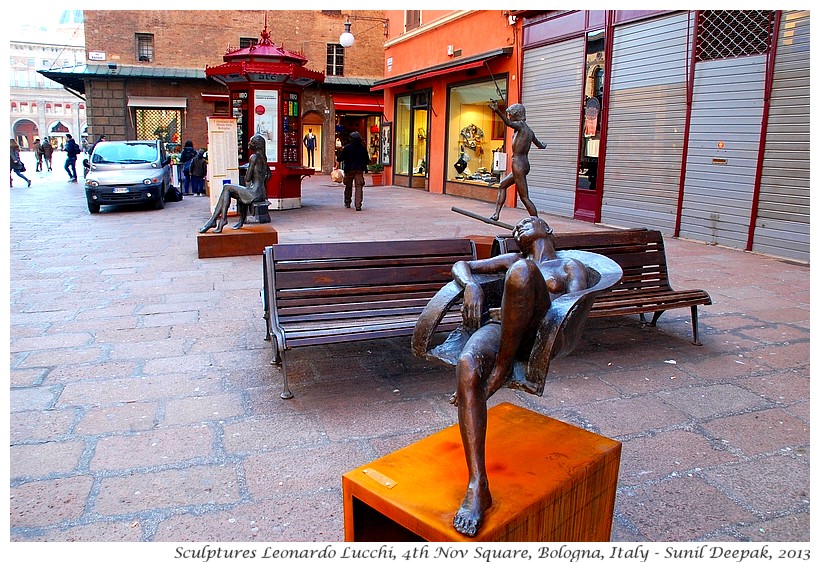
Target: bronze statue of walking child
(254,191)
(516,118)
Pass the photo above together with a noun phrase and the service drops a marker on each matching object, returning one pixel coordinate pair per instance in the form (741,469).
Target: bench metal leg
(695,335)
(286,393)
(655,318)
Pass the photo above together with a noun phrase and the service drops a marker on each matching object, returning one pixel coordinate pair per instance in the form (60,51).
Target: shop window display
(474,134)
(412,124)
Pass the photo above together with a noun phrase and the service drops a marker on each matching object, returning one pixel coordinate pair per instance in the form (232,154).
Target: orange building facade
(442,69)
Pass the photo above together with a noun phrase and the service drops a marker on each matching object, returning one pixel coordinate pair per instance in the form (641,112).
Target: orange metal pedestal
(550,482)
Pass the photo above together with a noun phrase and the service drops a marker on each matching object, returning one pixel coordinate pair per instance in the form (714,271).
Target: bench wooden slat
(366,250)
(366,277)
(389,261)
(345,294)
(362,307)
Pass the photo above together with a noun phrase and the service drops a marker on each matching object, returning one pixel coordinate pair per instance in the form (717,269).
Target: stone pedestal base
(250,240)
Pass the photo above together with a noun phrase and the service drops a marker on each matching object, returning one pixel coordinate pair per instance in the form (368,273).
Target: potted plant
(376,174)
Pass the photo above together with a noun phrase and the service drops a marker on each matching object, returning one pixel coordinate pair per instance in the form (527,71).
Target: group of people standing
(194,170)
(43,151)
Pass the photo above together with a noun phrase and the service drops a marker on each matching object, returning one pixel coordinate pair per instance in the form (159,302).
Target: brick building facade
(148,61)
(199,38)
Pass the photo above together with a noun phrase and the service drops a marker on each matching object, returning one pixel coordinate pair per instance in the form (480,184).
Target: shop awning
(156,101)
(358,102)
(446,68)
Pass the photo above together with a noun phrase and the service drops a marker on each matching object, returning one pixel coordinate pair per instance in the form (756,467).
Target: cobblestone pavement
(144,406)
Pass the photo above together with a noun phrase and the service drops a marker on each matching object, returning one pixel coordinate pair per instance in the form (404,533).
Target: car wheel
(160,201)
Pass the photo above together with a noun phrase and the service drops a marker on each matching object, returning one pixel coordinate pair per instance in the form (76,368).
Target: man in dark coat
(355,160)
(72,149)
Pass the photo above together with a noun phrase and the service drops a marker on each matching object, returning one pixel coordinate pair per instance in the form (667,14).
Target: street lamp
(347,39)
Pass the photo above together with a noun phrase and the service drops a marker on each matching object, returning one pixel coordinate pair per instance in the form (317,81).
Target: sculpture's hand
(473,304)
(493,105)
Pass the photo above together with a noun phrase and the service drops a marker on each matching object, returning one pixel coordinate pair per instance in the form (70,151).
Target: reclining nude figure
(533,278)
(254,190)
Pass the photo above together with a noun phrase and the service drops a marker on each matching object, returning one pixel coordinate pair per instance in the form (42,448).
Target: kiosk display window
(265,108)
(290,128)
(239,111)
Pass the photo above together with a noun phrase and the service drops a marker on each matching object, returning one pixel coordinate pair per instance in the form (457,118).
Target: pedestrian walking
(198,171)
(38,154)
(17,165)
(72,150)
(185,158)
(355,160)
(48,150)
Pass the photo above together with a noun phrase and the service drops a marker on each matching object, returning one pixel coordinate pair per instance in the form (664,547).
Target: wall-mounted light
(346,39)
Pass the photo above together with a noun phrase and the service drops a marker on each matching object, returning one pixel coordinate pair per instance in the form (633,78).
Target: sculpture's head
(256,143)
(517,112)
(529,229)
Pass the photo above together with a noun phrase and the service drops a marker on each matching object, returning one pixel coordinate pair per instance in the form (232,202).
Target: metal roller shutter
(647,114)
(782,226)
(551,91)
(727,108)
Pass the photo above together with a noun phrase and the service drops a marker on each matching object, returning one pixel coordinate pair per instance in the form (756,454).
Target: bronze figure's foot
(495,216)
(470,515)
(238,225)
(209,225)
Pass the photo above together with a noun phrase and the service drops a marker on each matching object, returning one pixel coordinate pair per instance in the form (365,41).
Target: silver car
(128,173)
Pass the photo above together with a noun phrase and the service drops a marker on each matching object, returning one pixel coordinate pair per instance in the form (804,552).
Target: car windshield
(124,153)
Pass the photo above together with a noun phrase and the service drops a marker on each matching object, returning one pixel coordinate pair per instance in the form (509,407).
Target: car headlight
(92,183)
(150,181)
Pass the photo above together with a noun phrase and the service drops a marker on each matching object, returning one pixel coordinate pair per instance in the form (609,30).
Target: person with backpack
(198,171)
(72,150)
(186,156)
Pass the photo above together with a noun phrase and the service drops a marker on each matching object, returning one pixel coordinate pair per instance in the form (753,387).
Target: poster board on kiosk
(223,160)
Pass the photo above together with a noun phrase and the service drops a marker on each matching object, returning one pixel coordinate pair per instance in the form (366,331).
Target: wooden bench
(316,294)
(645,284)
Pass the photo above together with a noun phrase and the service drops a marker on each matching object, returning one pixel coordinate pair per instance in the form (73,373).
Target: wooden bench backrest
(639,252)
(311,279)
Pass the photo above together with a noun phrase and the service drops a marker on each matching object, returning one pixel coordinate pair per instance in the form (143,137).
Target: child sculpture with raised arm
(253,191)
(516,118)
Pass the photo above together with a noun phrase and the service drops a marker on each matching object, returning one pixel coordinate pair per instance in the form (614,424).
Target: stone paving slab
(143,406)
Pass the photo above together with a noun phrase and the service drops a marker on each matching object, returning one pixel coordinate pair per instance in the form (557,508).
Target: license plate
(120,190)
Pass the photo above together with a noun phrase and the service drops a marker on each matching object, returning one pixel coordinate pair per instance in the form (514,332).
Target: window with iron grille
(412,19)
(245,42)
(335,60)
(162,124)
(145,47)
(725,34)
